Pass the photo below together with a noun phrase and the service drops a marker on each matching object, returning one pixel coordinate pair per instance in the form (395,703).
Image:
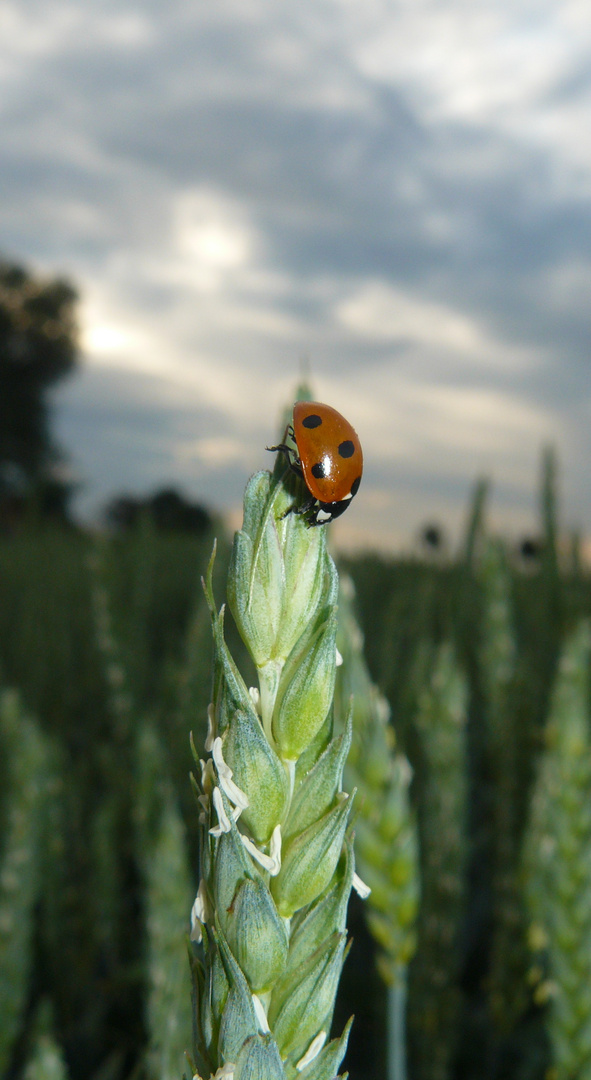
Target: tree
(168,509)
(38,346)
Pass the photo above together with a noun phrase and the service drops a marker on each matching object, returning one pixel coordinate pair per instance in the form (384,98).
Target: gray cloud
(342,193)
(131,435)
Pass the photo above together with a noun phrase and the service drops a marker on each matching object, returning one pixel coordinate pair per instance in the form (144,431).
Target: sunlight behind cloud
(212,235)
(113,335)
(102,340)
(175,350)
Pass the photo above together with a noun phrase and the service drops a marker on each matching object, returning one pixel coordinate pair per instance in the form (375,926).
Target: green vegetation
(557,865)
(470,718)
(276,856)
(435,996)
(38,346)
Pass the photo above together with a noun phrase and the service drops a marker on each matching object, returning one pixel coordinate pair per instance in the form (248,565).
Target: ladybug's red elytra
(329,459)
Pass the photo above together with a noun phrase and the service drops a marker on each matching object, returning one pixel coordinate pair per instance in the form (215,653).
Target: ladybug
(329,458)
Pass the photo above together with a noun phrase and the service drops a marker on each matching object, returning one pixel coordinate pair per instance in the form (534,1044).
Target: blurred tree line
(38,348)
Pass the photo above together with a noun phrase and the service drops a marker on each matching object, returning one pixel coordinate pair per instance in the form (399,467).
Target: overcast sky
(399,190)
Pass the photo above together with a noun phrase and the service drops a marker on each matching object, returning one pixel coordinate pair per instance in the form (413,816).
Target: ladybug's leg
(295,466)
(293,461)
(303,509)
(283,446)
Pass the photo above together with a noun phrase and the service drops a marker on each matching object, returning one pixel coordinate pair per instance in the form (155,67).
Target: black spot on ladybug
(318,470)
(312,421)
(355,486)
(346,449)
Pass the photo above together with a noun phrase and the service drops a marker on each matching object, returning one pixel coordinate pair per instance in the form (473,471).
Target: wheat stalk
(277,864)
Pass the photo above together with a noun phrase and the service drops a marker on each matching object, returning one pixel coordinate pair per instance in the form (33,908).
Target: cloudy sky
(398,190)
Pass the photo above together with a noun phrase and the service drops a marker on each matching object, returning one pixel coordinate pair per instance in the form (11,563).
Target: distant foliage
(25,757)
(38,346)
(166,509)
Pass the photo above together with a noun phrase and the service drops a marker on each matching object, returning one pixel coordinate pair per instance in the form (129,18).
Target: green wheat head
(557,867)
(277,864)
(386,844)
(167,891)
(434,997)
